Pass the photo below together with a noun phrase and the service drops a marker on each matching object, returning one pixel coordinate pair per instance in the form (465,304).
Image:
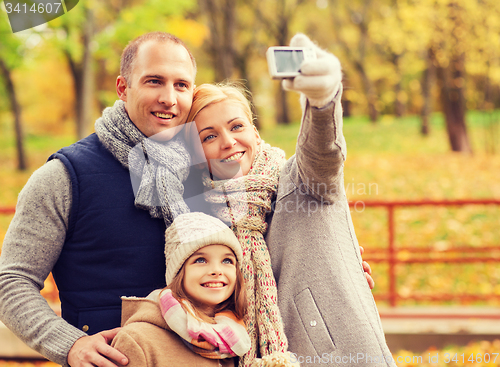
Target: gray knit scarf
(157,168)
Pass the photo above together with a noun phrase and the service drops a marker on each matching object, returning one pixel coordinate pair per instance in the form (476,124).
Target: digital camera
(284,62)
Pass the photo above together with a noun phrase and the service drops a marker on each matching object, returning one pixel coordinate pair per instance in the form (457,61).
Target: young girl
(198,318)
(301,208)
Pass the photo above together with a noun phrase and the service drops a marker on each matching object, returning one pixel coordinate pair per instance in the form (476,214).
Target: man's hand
(368,270)
(95,351)
(319,79)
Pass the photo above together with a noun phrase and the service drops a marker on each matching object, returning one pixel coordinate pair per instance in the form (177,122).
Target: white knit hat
(191,231)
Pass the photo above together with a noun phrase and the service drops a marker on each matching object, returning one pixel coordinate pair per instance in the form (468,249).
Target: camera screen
(288,60)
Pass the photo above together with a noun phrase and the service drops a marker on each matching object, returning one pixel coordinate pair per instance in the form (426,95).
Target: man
(76,217)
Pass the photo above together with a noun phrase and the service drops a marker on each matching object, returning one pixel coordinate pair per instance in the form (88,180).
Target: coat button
(85,328)
(313,323)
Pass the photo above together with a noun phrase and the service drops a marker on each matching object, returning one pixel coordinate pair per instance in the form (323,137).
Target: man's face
(160,92)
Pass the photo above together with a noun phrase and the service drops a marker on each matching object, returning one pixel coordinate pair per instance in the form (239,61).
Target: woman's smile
(233,157)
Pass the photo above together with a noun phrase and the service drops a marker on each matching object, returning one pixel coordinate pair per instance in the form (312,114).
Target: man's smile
(164,116)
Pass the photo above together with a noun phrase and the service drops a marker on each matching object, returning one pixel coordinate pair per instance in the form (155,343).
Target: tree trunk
(358,58)
(102,82)
(275,20)
(369,90)
(346,107)
(85,115)
(83,79)
(222,28)
(16,112)
(451,82)
(242,66)
(451,79)
(399,106)
(282,114)
(427,81)
(282,111)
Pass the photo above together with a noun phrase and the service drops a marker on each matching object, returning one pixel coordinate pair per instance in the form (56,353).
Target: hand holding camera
(307,69)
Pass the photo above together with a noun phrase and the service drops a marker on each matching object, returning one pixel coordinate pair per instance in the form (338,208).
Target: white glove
(319,79)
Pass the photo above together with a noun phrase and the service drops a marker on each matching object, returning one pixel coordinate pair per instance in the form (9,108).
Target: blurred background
(421,119)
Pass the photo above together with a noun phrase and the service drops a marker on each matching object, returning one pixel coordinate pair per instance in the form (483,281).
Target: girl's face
(210,276)
(229,140)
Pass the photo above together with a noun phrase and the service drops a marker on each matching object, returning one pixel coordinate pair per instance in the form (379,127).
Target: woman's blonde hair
(209,94)
(237,302)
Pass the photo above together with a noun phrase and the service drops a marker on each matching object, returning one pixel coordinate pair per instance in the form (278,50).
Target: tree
(275,17)
(451,83)
(9,59)
(401,35)
(232,41)
(95,31)
(222,25)
(427,82)
(82,71)
(354,17)
(77,29)
(449,52)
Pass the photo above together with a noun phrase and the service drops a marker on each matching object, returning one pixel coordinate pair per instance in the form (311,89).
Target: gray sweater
(31,247)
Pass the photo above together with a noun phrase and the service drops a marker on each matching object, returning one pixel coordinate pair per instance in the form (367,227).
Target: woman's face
(229,140)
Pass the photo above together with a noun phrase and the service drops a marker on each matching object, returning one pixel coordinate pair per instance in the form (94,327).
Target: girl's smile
(214,285)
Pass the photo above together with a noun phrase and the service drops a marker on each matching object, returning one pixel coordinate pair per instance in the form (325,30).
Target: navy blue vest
(112,249)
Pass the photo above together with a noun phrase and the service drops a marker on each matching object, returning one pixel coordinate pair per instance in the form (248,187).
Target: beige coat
(147,341)
(328,310)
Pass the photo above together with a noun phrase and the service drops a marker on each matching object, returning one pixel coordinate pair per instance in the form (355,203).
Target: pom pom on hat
(191,231)
(277,359)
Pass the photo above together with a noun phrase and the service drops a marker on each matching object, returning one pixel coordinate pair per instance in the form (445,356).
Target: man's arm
(31,247)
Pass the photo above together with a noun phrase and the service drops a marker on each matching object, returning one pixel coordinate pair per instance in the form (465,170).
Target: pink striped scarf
(226,338)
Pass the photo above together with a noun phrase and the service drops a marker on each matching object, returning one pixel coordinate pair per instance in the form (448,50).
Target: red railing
(391,254)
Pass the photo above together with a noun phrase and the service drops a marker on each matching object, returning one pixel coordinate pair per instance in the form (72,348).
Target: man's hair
(129,54)
(209,94)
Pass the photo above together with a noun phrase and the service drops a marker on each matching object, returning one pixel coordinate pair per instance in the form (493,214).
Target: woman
(328,310)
